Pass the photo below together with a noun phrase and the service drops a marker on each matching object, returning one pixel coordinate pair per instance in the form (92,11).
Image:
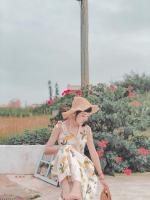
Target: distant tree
(56,90)
(50,89)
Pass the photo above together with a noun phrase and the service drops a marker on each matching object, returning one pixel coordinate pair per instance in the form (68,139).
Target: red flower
(130,87)
(127,171)
(135,103)
(78,93)
(103,143)
(131,95)
(50,102)
(143,151)
(112,87)
(118,159)
(65,92)
(100,153)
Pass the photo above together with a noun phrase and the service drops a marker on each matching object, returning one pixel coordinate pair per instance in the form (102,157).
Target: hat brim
(66,114)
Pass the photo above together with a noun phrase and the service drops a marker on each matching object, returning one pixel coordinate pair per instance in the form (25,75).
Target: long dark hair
(88,110)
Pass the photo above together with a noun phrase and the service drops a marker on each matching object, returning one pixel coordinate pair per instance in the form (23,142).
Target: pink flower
(65,92)
(143,151)
(50,102)
(130,87)
(118,159)
(112,87)
(127,171)
(131,95)
(100,153)
(103,143)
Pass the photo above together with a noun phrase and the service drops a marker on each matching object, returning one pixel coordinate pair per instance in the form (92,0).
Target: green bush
(22,112)
(125,150)
(16,112)
(140,83)
(39,136)
(117,111)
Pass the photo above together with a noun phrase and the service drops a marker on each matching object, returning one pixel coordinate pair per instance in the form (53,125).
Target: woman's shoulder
(58,125)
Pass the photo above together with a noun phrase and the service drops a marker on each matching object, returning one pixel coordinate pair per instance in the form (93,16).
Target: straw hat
(80,104)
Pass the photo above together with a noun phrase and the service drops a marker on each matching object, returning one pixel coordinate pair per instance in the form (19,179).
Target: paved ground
(136,187)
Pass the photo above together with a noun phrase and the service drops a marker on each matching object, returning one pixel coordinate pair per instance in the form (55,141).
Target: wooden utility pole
(84,44)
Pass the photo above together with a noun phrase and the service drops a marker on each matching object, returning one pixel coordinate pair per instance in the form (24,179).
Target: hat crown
(80,103)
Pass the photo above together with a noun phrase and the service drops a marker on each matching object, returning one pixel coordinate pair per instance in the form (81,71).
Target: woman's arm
(93,153)
(95,157)
(50,147)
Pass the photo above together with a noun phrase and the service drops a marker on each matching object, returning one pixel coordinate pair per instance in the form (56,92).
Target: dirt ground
(25,187)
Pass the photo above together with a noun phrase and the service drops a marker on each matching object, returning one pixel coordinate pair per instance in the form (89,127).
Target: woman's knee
(66,180)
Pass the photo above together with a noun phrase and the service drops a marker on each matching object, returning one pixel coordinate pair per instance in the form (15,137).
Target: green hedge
(39,136)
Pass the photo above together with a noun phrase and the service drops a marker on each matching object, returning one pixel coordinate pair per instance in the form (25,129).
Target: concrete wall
(19,159)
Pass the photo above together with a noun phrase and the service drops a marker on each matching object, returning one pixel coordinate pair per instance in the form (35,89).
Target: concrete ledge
(19,159)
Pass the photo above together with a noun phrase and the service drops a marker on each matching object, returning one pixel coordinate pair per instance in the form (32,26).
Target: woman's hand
(102,180)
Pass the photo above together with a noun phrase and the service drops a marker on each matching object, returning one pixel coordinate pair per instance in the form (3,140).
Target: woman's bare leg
(75,193)
(66,188)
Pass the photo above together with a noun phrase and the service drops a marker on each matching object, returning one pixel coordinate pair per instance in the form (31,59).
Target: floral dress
(71,161)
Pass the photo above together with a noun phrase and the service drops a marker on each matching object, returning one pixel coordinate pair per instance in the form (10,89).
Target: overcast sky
(40,41)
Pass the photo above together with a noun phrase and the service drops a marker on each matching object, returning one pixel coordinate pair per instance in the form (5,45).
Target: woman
(74,169)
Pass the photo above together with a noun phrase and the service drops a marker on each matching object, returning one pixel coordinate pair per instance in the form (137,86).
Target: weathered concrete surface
(136,187)
(12,190)
(19,159)
(122,187)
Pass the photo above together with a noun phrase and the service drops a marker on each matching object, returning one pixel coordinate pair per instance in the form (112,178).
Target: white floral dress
(74,163)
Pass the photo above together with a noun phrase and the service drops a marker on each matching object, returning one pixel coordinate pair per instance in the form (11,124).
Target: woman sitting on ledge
(75,171)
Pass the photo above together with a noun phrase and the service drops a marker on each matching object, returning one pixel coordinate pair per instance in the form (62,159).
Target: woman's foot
(65,189)
(75,193)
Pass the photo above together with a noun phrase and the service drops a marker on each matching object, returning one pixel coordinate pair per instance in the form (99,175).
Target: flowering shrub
(136,82)
(121,155)
(123,113)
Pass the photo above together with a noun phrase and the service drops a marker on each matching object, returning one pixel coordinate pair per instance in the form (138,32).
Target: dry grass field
(13,125)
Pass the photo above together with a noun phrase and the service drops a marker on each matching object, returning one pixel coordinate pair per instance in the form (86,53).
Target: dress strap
(58,125)
(64,128)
